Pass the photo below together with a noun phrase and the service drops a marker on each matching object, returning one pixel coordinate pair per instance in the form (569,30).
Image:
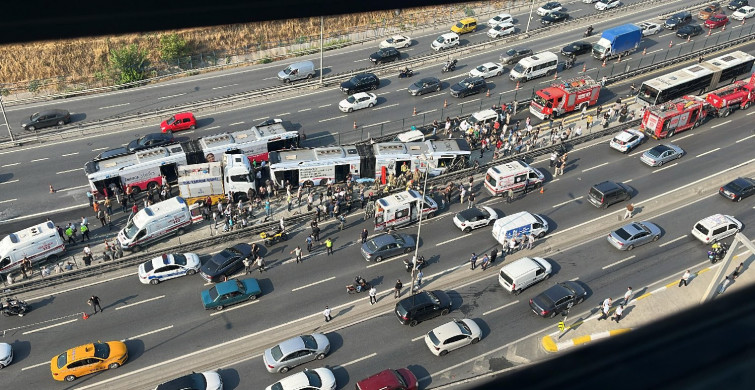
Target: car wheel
(136,248)
(660,163)
(431,215)
(2,366)
(219,308)
(408,250)
(252,297)
(379,259)
(136,190)
(491,222)
(413,323)
(61,122)
(350,109)
(113,366)
(320,356)
(656,238)
(443,353)
(70,378)
(726,113)
(286,81)
(746,106)
(475,340)
(580,300)
(190,272)
(370,105)
(630,247)
(541,235)
(181,231)
(498,74)
(154,281)
(283,370)
(192,127)
(517,291)
(444,312)
(467,230)
(309,76)
(739,199)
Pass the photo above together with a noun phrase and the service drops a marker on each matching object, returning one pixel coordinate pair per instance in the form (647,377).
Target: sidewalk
(648,305)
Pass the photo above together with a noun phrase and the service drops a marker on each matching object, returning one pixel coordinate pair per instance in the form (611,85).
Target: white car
(715,228)
(452,335)
(319,378)
(6,354)
(589,1)
(501,30)
(486,70)
(745,12)
(627,140)
(209,380)
(476,217)
(168,266)
(397,42)
(500,19)
(649,28)
(357,101)
(549,7)
(603,5)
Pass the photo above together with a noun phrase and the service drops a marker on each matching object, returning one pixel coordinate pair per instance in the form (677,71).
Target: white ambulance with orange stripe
(402,209)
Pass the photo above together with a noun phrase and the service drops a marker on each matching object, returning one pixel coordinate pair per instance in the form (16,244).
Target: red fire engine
(740,94)
(665,120)
(571,95)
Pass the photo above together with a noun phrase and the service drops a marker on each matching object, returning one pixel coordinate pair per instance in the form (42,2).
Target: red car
(182,121)
(716,20)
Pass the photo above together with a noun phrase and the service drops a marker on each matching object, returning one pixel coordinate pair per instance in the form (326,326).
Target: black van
(422,306)
(607,193)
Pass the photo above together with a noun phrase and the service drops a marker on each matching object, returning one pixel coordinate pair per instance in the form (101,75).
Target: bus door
(400,163)
(342,171)
(170,172)
(291,176)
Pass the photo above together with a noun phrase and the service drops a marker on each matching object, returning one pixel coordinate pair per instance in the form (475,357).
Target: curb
(550,345)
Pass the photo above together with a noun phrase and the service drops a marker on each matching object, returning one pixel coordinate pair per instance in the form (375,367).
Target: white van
(297,71)
(513,175)
(155,222)
(518,226)
(522,273)
(716,227)
(402,209)
(481,117)
(534,66)
(38,243)
(445,41)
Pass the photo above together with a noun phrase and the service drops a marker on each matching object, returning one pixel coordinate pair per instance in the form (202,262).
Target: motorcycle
(588,32)
(14,307)
(274,238)
(360,285)
(449,66)
(409,264)
(717,253)
(403,73)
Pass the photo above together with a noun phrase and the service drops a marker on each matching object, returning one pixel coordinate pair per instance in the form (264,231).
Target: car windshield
(130,230)
(461,217)
(34,116)
(440,39)
(717,18)
(510,52)
(276,352)
(371,246)
(465,84)
(702,229)
(148,266)
(460,25)
(656,151)
(179,259)
(314,380)
(500,27)
(309,341)
(433,338)
(623,234)
(276,386)
(734,186)
(101,350)
(463,328)
(351,99)
(540,100)
(213,293)
(481,69)
(172,120)
(518,68)
(389,40)
(287,70)
(240,286)
(62,360)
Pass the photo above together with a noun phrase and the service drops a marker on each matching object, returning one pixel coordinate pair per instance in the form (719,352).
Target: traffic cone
(723,28)
(644,51)
(487,94)
(688,38)
(355,124)
(52,190)
(415,111)
(584,68)
(618,59)
(517,85)
(85,316)
(709,31)
(445,103)
(542,190)
(555,75)
(670,43)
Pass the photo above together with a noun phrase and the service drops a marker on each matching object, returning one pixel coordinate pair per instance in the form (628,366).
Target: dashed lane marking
(232,308)
(313,284)
(619,262)
(140,302)
(708,152)
(148,333)
(672,241)
(50,326)
(500,307)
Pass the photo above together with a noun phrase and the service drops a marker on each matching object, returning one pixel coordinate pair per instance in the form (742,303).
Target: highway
(27,171)
(168,332)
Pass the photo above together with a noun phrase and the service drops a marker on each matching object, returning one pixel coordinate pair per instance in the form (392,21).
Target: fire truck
(560,98)
(740,94)
(665,120)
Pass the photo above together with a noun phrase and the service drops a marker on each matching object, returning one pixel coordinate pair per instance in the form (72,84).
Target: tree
(172,47)
(128,64)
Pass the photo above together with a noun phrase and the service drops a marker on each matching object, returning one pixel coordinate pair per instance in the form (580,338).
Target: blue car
(230,292)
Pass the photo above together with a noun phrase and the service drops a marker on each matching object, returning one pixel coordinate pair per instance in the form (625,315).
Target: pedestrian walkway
(648,305)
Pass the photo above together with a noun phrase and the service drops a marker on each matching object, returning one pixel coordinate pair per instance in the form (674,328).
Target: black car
(468,86)
(513,56)
(46,118)
(738,189)
(557,299)
(388,54)
(360,83)
(225,263)
(688,31)
(677,20)
(422,306)
(576,48)
(554,17)
(737,4)
(423,86)
(151,140)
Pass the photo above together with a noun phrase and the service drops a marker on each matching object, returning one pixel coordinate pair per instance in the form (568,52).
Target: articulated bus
(696,79)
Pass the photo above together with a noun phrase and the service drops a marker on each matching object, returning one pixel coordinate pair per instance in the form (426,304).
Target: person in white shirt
(627,295)
(618,313)
(326,313)
(373,295)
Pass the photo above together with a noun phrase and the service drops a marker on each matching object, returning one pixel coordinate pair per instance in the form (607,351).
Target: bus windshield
(648,94)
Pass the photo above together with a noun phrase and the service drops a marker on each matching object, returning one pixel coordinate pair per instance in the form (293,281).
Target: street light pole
(322,22)
(2,108)
(419,227)
(532,6)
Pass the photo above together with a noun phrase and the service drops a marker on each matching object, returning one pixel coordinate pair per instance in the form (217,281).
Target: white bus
(314,166)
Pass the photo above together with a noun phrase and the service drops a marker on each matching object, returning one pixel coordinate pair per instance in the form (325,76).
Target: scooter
(403,73)
(588,32)
(717,254)
(273,238)
(14,307)
(409,264)
(361,283)
(449,66)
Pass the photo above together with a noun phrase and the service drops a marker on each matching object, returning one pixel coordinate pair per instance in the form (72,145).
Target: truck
(567,96)
(738,95)
(665,120)
(617,41)
(215,180)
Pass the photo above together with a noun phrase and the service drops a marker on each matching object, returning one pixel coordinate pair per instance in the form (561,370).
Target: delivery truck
(216,180)
(617,41)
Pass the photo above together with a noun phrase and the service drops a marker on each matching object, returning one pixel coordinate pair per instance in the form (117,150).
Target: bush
(128,64)
(34,86)
(469,11)
(172,47)
(265,60)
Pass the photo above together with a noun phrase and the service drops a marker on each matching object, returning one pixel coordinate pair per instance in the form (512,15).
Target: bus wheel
(152,185)
(746,106)
(726,113)
(136,190)
(670,134)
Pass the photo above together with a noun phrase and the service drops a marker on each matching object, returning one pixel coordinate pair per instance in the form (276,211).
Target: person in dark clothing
(493,255)
(94,301)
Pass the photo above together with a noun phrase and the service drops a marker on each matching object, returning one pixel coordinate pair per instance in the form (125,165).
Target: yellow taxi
(88,359)
(465,25)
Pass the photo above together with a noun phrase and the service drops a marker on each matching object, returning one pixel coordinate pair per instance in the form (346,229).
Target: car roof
(473,212)
(165,259)
(383,239)
(626,134)
(743,181)
(226,287)
(184,382)
(633,228)
(607,185)
(661,148)
(361,94)
(292,344)
(447,330)
(183,115)
(429,80)
(490,64)
(53,111)
(467,20)
(420,298)
(556,292)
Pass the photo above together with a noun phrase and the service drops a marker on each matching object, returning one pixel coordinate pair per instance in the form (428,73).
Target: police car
(627,140)
(168,266)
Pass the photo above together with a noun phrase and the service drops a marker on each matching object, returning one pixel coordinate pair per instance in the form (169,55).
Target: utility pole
(322,22)
(2,108)
(419,227)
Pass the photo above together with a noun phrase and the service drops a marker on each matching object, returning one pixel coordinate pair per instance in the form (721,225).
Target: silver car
(661,154)
(635,234)
(296,351)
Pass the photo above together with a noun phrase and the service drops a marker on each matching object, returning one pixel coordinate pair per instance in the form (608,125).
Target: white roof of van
(538,58)
(509,167)
(520,266)
(28,233)
(411,135)
(159,209)
(399,198)
(518,219)
(450,35)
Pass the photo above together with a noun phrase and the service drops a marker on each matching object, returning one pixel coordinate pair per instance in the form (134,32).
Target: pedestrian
(473,260)
(584,112)
(108,206)
(628,295)
(309,243)
(738,271)
(297,253)
(485,262)
(632,90)
(124,204)
(685,279)
(261,264)
(510,196)
(604,313)
(90,196)
(512,245)
(247,265)
(419,278)
(101,217)
(94,301)
(559,164)
(341,222)
(589,122)
(326,313)
(25,266)
(603,81)
(630,210)
(471,200)
(84,232)
(724,285)
(617,314)
(462,193)
(530,240)
(493,255)
(364,235)
(316,233)
(373,295)
(329,246)
(397,289)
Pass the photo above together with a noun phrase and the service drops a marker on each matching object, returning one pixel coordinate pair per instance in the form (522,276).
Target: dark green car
(230,292)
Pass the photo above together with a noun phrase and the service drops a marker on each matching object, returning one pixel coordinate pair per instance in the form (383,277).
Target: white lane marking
(98,149)
(451,240)
(500,307)
(330,119)
(597,166)
(234,307)
(313,284)
(720,124)
(751,113)
(708,152)
(305,109)
(236,123)
(71,189)
(10,165)
(619,262)
(388,106)
(427,112)
(148,333)
(666,167)
(283,114)
(224,86)
(568,201)
(140,302)
(574,279)
(81,206)
(418,338)
(745,138)
(8,182)
(117,105)
(259,119)
(69,154)
(325,105)
(40,159)
(36,365)
(357,360)
(50,326)
(213,127)
(8,201)
(432,96)
(686,136)
(68,171)
(672,241)
(171,96)
(636,153)
(376,124)
(628,181)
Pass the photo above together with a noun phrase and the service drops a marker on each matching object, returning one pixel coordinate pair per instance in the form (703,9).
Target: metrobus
(696,79)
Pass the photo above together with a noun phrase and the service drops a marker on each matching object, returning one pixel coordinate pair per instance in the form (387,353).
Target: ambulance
(402,209)
(171,216)
(38,243)
(514,175)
